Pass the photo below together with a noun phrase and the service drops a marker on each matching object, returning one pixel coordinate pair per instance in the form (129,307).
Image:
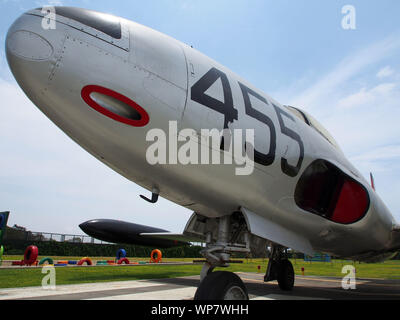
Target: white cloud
(365,97)
(382,158)
(48,3)
(385,72)
(344,72)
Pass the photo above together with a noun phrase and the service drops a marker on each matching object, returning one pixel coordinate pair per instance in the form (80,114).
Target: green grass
(11,278)
(387,270)
(14,278)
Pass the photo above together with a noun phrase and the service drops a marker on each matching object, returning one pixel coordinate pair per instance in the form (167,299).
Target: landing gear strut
(221,285)
(227,235)
(280,268)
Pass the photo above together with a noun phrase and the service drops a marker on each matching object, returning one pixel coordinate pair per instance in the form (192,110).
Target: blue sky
(294,50)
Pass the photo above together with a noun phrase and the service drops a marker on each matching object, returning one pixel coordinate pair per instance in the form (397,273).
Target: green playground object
(44,260)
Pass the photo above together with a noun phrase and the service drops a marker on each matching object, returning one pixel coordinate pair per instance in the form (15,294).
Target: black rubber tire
(286,275)
(216,285)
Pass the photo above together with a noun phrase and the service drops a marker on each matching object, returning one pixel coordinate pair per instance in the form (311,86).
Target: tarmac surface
(306,288)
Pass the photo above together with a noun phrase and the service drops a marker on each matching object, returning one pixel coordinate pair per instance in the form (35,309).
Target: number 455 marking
(230,114)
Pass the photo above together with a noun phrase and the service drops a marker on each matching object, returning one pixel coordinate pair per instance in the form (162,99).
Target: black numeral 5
(263,159)
(286,167)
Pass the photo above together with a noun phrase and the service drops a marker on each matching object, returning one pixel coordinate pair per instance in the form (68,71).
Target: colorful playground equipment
(86,260)
(123,261)
(44,260)
(156,256)
(32,252)
(121,253)
(30,257)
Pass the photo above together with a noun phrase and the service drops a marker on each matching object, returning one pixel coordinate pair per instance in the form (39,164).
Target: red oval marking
(86,91)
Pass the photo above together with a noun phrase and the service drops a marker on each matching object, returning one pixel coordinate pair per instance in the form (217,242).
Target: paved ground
(185,288)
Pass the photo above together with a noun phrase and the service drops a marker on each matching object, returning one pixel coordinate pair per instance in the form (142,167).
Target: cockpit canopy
(308,119)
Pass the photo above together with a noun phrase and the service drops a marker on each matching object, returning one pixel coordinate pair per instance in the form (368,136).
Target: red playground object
(87,260)
(123,260)
(30,256)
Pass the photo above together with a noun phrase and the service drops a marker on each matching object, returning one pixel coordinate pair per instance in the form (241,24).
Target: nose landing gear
(230,238)
(221,285)
(280,268)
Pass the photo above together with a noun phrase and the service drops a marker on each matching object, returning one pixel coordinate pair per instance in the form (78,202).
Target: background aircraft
(115,231)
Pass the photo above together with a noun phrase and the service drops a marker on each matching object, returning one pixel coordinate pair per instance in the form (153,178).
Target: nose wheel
(286,275)
(221,285)
(280,269)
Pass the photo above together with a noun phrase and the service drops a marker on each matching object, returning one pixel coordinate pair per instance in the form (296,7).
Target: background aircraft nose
(86,227)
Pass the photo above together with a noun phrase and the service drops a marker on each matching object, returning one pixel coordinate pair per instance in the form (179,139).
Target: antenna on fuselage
(372,181)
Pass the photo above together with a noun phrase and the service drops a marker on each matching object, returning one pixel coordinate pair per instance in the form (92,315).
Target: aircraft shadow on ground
(319,291)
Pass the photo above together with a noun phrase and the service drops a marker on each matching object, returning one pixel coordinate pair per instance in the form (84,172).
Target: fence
(13,234)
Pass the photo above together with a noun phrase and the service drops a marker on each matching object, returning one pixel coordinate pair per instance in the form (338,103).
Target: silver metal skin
(157,72)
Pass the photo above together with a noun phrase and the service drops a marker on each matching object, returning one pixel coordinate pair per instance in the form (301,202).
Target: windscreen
(105,23)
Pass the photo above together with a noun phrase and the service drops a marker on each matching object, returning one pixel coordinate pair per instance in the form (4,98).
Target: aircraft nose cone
(89,227)
(84,227)
(93,228)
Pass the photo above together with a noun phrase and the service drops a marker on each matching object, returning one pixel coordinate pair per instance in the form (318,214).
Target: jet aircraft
(107,82)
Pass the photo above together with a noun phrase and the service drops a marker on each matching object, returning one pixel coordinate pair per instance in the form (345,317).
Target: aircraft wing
(171,237)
